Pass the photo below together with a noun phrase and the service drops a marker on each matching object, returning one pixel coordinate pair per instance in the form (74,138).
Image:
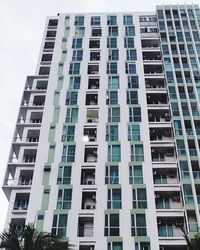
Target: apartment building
(106,146)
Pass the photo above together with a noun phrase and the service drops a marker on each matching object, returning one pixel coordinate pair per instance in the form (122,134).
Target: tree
(31,239)
(192,243)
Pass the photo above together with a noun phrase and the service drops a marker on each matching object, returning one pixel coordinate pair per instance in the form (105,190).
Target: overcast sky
(23,22)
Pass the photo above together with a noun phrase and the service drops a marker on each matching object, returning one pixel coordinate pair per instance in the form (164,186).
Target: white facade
(89,199)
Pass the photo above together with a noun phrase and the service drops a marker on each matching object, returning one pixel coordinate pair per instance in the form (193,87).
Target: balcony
(91,99)
(88,176)
(32,137)
(151,56)
(157,99)
(86,247)
(169,201)
(93,69)
(170,228)
(163,154)
(94,44)
(153,69)
(159,115)
(90,134)
(164,176)
(150,44)
(21,201)
(155,84)
(18,223)
(85,226)
(93,83)
(88,200)
(92,116)
(95,56)
(90,154)
(25,178)
(161,135)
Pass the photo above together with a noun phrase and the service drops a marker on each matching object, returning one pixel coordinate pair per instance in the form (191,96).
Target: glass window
(68,154)
(59,226)
(129,31)
(112,133)
(113,31)
(111,175)
(111,68)
(137,153)
(74,82)
(74,68)
(138,225)
(175,110)
(68,133)
(64,175)
(112,97)
(77,43)
(114,114)
(128,42)
(128,20)
(131,55)
(113,82)
(79,21)
(142,246)
(139,198)
(95,20)
(77,55)
(64,199)
(111,42)
(114,199)
(79,31)
(133,132)
(160,14)
(114,153)
(71,98)
(111,225)
(134,114)
(133,82)
(135,174)
(130,68)
(112,20)
(131,97)
(113,55)
(72,115)
(188,195)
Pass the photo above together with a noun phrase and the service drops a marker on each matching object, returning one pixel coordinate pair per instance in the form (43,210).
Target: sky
(22,24)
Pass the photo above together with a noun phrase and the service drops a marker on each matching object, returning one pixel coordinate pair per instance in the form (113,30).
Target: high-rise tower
(106,145)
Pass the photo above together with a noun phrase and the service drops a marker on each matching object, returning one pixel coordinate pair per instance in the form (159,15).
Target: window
(115,246)
(74,82)
(77,55)
(113,55)
(128,20)
(112,20)
(139,198)
(131,97)
(64,175)
(95,20)
(111,42)
(59,224)
(114,154)
(77,43)
(188,194)
(112,133)
(131,55)
(94,43)
(133,82)
(74,68)
(130,68)
(93,69)
(71,98)
(129,31)
(96,31)
(135,174)
(133,132)
(111,175)
(138,225)
(113,31)
(111,68)
(142,246)
(114,114)
(137,153)
(68,154)
(68,133)
(111,225)
(79,21)
(128,42)
(64,199)
(134,114)
(72,115)
(112,97)
(113,82)
(114,199)
(79,31)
